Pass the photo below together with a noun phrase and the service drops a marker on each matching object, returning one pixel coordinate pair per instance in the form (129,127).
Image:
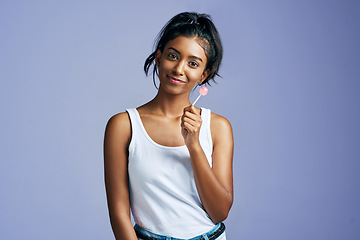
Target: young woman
(167,160)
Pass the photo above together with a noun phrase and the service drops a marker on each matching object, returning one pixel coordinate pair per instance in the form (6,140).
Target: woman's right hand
(190,125)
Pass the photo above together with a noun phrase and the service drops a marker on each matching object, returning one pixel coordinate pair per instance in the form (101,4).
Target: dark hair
(190,24)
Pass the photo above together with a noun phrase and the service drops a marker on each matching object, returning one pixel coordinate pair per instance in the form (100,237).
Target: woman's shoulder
(119,119)
(119,123)
(220,127)
(218,120)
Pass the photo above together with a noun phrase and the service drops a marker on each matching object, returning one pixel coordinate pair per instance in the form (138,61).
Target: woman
(167,160)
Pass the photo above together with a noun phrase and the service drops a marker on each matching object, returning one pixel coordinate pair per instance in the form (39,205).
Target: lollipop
(203,91)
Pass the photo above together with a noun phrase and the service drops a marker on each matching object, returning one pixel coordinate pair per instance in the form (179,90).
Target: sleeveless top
(163,194)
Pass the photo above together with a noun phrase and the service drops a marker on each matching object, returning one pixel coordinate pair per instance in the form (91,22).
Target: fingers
(192,109)
(192,113)
(191,119)
(190,128)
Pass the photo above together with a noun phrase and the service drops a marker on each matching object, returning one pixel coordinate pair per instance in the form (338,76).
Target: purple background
(290,88)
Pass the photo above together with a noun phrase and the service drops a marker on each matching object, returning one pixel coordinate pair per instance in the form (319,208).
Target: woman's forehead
(188,46)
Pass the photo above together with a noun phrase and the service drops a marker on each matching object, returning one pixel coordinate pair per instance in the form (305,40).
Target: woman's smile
(176,80)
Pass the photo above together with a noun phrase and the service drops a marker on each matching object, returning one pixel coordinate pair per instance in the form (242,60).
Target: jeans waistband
(211,235)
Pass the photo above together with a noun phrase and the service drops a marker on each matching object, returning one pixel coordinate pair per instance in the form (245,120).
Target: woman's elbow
(222,214)
(220,217)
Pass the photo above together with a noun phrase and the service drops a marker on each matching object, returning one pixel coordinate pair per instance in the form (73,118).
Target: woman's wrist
(194,147)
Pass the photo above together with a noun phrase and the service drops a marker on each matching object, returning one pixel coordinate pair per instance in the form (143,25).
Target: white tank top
(163,194)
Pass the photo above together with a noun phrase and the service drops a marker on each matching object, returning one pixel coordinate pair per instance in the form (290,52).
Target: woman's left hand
(190,125)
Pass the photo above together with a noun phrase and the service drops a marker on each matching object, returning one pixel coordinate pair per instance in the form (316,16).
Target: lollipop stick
(196,100)
(203,91)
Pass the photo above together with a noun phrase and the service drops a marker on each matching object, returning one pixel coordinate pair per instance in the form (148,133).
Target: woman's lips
(175,80)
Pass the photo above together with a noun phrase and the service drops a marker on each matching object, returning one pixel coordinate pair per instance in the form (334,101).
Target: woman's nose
(179,68)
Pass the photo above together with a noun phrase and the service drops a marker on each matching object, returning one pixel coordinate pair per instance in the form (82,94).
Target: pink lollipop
(203,91)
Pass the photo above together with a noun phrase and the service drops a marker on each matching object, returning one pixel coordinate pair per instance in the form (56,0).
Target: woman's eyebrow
(177,51)
(174,50)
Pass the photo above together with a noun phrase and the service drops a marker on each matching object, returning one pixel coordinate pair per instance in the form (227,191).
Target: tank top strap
(136,129)
(135,122)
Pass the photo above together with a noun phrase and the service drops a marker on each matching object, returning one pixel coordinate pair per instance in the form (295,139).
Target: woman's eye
(193,64)
(172,56)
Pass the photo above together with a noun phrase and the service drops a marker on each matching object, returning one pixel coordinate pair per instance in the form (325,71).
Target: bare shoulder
(119,126)
(218,119)
(219,122)
(220,128)
(119,119)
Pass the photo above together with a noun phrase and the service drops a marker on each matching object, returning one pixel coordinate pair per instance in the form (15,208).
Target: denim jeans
(217,233)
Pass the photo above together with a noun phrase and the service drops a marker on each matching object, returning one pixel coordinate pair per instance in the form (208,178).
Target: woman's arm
(116,142)
(215,185)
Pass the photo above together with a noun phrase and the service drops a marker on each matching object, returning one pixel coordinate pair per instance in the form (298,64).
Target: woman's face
(181,65)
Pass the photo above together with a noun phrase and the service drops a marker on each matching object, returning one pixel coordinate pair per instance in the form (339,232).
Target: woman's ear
(204,75)
(157,57)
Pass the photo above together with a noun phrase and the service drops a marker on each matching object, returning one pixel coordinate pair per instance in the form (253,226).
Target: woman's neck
(168,105)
